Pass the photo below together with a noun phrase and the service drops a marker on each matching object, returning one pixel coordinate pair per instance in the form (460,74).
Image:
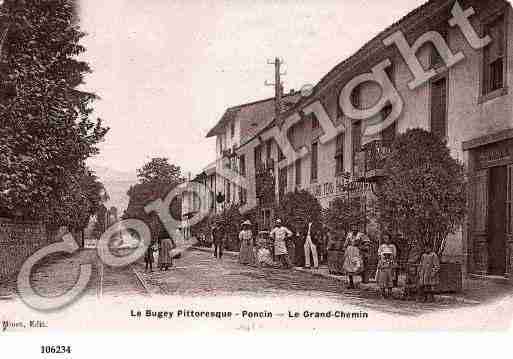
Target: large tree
(156,179)
(46,128)
(424,192)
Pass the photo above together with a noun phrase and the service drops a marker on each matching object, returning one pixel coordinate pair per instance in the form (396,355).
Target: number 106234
(55,349)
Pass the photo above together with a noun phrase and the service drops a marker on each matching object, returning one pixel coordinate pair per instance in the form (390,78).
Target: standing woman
(246,255)
(165,256)
(353,262)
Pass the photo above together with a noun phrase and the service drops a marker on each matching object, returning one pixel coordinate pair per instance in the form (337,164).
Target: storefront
(490,227)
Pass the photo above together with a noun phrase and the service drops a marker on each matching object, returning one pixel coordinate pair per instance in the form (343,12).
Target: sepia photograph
(270,166)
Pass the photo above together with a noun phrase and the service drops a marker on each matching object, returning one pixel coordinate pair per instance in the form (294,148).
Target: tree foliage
(46,129)
(159,171)
(229,222)
(298,208)
(343,213)
(156,179)
(424,192)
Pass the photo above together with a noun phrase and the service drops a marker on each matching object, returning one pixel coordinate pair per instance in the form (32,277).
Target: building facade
(449,65)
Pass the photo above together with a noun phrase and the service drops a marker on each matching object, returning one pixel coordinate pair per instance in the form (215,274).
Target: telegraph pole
(278,88)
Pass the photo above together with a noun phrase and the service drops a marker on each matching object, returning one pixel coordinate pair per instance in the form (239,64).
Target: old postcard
(267,166)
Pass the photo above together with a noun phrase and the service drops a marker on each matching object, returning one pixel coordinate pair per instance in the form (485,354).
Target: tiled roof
(253,116)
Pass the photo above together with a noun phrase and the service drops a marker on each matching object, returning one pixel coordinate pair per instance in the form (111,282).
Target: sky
(167,70)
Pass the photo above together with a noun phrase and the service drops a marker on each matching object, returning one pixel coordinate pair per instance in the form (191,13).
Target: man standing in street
(217,239)
(363,243)
(310,247)
(279,234)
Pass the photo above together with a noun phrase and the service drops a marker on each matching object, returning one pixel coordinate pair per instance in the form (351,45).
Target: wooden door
(497,221)
(509,218)
(478,217)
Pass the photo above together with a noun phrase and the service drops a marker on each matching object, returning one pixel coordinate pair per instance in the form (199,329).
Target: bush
(343,213)
(423,195)
(229,221)
(298,208)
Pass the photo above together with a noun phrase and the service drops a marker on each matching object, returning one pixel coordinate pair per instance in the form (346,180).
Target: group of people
(161,252)
(301,249)
(421,279)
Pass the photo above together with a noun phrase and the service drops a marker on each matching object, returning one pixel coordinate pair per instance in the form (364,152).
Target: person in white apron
(280,233)
(310,247)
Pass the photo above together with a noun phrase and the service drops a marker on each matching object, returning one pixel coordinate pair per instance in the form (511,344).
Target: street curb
(367,287)
(371,287)
(210,250)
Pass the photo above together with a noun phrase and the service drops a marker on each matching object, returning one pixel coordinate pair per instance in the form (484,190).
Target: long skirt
(385,277)
(299,258)
(246,254)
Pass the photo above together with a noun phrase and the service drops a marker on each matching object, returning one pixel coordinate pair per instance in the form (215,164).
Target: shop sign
(340,186)
(495,155)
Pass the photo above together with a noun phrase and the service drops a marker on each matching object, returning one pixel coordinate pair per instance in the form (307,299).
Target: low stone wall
(18,241)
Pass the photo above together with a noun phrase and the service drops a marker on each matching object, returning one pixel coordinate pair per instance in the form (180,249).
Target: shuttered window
(436,59)
(298,172)
(242,165)
(339,154)
(258,157)
(494,56)
(356,135)
(269,147)
(314,163)
(439,107)
(282,182)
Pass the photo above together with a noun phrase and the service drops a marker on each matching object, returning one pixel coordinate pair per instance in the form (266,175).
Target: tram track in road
(119,281)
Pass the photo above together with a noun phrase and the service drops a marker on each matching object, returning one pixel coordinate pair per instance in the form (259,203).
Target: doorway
(497,220)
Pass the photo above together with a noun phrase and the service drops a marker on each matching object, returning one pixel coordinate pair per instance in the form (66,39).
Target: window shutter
(479,201)
(439,107)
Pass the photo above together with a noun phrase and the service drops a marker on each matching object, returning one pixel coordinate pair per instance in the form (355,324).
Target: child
(429,274)
(385,278)
(410,287)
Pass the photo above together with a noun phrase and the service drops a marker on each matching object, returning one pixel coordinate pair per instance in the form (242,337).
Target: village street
(198,274)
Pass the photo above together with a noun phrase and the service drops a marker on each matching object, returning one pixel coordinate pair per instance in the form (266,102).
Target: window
(314,164)
(494,56)
(339,154)
(439,107)
(436,59)
(221,145)
(228,191)
(258,156)
(355,97)
(281,156)
(389,132)
(232,129)
(298,172)
(242,165)
(269,148)
(356,134)
(243,195)
(315,122)
(282,181)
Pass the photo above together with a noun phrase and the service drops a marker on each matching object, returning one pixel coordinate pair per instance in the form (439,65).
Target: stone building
(446,67)
(465,100)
